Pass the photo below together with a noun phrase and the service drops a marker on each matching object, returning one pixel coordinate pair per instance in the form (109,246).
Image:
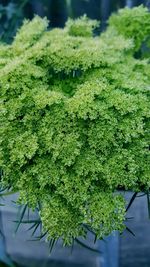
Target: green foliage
(30,33)
(81,26)
(132,23)
(74,125)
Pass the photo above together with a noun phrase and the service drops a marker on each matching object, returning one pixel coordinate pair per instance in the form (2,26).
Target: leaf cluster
(75,122)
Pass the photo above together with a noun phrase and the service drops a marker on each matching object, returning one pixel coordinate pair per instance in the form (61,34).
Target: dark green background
(13,12)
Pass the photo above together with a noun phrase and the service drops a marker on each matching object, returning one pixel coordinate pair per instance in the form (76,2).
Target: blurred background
(12,12)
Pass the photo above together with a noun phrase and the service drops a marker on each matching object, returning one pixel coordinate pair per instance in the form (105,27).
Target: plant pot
(25,252)
(134,250)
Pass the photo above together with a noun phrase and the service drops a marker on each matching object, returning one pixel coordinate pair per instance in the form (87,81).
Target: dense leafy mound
(75,123)
(133,24)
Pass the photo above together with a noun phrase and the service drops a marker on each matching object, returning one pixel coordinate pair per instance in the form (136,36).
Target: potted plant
(75,121)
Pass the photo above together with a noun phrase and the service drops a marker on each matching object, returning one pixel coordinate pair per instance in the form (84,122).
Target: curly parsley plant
(75,121)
